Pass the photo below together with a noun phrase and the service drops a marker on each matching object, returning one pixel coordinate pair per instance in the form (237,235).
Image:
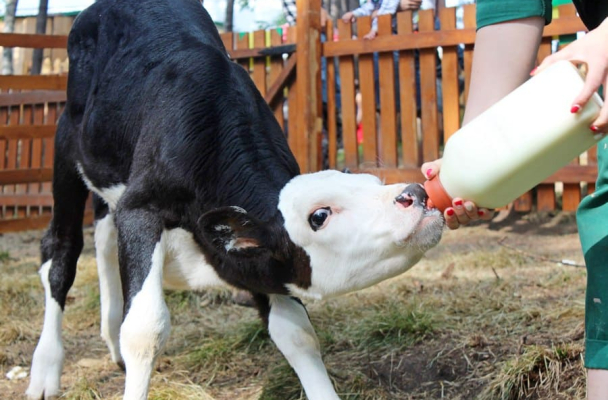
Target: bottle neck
(438,197)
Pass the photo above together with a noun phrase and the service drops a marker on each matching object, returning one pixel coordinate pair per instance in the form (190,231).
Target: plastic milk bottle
(518,142)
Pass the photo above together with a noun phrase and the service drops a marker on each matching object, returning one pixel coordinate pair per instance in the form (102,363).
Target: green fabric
(491,12)
(592,219)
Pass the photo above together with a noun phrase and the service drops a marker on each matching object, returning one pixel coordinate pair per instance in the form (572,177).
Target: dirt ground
(491,313)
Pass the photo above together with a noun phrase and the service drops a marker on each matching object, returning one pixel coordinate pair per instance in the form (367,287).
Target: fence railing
(407,108)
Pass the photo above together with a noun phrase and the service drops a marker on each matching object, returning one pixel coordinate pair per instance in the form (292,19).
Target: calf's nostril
(413,194)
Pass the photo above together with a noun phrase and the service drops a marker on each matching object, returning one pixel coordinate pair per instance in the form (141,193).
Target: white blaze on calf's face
(359,234)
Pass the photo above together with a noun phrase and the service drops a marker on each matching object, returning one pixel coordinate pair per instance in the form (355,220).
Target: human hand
(591,49)
(409,5)
(462,211)
(348,17)
(370,35)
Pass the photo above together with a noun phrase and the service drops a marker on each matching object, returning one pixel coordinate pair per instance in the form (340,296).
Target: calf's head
(348,231)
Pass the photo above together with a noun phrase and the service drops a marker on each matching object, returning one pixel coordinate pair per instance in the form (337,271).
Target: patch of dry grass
(472,320)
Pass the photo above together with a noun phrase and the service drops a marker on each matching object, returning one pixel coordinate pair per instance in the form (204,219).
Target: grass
(473,320)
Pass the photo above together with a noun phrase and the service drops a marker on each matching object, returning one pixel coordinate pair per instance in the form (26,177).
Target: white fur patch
(110,289)
(47,362)
(185,265)
(110,195)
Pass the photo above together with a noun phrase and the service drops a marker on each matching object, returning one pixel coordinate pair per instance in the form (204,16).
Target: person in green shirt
(506,46)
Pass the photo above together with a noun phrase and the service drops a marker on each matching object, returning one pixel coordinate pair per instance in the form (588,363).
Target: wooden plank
(347,87)
(36,163)
(545,193)
(38,82)
(442,38)
(449,78)
(259,64)
(33,97)
(242,42)
(11,158)
(574,174)
(332,128)
(20,132)
(411,148)
(309,118)
(33,41)
(25,145)
(27,199)
(367,86)
(40,222)
(285,78)
(276,68)
(48,144)
(387,138)
(17,176)
(469,23)
(428,92)
(3,148)
(228,40)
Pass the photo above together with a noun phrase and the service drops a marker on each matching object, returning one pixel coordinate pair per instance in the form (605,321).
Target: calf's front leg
(146,326)
(292,332)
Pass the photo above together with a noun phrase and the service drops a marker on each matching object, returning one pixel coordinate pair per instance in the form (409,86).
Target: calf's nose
(413,194)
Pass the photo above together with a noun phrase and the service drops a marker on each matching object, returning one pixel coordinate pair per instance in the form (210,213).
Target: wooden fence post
(309,122)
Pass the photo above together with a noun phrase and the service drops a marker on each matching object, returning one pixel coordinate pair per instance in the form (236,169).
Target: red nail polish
(594,128)
(480,213)
(428,172)
(458,202)
(450,212)
(533,71)
(575,108)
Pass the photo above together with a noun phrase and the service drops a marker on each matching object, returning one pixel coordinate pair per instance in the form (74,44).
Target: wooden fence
(396,135)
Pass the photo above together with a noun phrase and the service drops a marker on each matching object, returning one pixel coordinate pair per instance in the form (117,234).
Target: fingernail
(575,108)
(480,213)
(449,212)
(458,203)
(533,71)
(428,172)
(594,128)
(468,207)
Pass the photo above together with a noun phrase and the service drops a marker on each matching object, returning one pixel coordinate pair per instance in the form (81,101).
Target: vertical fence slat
(411,150)
(292,99)
(367,88)
(259,64)
(25,145)
(449,77)
(3,150)
(48,154)
(276,66)
(332,127)
(428,92)
(36,155)
(387,132)
(347,88)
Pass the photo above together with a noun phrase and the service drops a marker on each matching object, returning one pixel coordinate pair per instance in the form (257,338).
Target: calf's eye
(317,218)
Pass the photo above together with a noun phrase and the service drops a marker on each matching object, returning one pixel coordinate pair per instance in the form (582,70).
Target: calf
(196,187)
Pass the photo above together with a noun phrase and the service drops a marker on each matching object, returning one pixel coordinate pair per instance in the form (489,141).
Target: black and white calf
(198,188)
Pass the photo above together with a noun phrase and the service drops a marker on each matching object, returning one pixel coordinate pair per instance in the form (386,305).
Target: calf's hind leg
(110,292)
(61,248)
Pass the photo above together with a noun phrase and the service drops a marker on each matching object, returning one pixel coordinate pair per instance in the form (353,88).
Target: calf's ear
(232,229)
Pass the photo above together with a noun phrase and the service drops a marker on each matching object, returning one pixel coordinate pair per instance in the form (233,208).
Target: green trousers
(592,219)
